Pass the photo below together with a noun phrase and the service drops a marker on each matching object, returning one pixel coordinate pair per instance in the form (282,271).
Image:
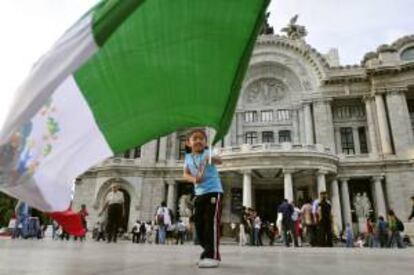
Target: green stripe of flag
(172,64)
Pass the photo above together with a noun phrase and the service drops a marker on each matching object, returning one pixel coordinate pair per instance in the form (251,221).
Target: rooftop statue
(293,30)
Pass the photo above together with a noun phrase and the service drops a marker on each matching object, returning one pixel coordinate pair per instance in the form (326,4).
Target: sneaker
(208,263)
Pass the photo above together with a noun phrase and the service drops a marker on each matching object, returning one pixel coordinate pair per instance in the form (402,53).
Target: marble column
(308,123)
(336,205)
(301,126)
(239,128)
(357,145)
(346,201)
(370,122)
(383,125)
(162,153)
(171,195)
(400,121)
(380,206)
(247,188)
(321,180)
(323,120)
(288,185)
(295,126)
(338,140)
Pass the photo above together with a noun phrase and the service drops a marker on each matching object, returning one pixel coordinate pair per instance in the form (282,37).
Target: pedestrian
(115,204)
(55,228)
(163,220)
(349,235)
(83,213)
(142,232)
(307,220)
(22,213)
(396,228)
(288,226)
(136,232)
(370,233)
(325,220)
(100,231)
(382,232)
(296,218)
(200,169)
(181,230)
(257,223)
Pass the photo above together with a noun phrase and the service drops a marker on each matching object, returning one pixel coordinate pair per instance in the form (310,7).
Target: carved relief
(265,91)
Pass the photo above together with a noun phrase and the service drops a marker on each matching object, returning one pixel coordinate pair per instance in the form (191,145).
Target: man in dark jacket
(286,209)
(325,220)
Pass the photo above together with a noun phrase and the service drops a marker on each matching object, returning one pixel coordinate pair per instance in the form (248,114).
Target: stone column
(338,140)
(400,121)
(379,196)
(171,195)
(336,205)
(302,126)
(239,128)
(346,201)
(295,126)
(162,153)
(321,180)
(324,134)
(370,122)
(357,145)
(288,184)
(247,188)
(308,123)
(383,125)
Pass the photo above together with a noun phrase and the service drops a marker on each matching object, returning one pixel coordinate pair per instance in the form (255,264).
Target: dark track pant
(207,218)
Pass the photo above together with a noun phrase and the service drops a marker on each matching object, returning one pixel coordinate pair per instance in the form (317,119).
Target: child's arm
(190,178)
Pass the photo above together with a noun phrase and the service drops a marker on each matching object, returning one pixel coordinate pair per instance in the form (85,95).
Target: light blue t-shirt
(211,181)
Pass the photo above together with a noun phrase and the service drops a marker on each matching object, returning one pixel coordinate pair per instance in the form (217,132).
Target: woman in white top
(115,204)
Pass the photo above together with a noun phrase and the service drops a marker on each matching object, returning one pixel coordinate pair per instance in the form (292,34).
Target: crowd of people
(310,222)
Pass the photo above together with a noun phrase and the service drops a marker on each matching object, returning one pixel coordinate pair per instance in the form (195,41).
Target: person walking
(382,232)
(396,227)
(257,226)
(325,221)
(115,204)
(349,235)
(200,169)
(307,220)
(22,220)
(83,213)
(181,231)
(163,220)
(136,232)
(288,226)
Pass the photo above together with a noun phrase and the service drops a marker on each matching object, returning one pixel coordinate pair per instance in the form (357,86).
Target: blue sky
(28,28)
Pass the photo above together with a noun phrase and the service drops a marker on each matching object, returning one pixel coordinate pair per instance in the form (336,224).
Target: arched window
(408,54)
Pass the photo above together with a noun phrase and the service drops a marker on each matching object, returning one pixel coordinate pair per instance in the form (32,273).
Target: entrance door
(267,202)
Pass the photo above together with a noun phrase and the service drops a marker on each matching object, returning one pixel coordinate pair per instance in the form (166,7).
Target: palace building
(303,124)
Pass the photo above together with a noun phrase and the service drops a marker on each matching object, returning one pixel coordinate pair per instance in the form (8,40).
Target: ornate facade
(303,124)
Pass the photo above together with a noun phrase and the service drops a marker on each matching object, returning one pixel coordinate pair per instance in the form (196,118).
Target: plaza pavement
(46,257)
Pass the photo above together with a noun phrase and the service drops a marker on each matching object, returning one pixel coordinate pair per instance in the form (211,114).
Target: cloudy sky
(29,27)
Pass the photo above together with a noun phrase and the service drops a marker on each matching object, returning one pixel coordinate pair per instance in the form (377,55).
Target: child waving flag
(209,192)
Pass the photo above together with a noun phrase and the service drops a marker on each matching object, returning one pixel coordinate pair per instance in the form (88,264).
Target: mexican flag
(126,72)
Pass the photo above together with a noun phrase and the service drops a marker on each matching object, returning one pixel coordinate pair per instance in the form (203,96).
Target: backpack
(160,218)
(400,225)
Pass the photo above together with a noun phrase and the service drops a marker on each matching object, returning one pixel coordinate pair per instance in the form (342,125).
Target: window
(182,147)
(347,141)
(283,114)
(267,116)
(157,150)
(127,154)
(250,116)
(362,140)
(284,136)
(349,111)
(251,137)
(268,137)
(137,152)
(408,54)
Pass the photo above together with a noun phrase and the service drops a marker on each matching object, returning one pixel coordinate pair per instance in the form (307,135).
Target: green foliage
(7,205)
